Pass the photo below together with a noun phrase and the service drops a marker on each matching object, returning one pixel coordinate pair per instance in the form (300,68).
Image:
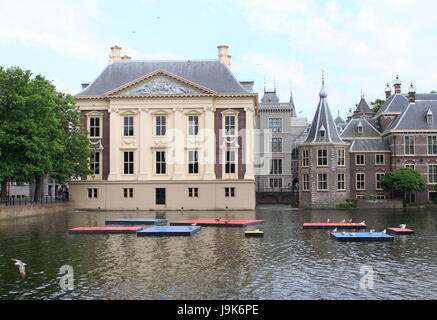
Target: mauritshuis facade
(347,159)
(168,135)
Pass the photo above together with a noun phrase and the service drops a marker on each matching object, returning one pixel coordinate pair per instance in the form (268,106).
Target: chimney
(125,57)
(115,54)
(412,94)
(223,55)
(387,92)
(397,85)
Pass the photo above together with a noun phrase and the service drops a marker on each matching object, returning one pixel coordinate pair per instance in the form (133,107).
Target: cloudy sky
(361,44)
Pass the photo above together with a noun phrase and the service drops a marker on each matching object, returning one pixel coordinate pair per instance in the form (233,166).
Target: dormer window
(360,128)
(322,132)
(429,117)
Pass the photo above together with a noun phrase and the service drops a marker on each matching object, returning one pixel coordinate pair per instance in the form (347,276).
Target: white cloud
(361,44)
(65,27)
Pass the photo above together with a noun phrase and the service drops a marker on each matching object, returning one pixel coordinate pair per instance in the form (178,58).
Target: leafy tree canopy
(403,180)
(39,130)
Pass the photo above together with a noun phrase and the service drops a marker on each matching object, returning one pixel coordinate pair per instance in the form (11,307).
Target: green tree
(40,131)
(404,180)
(377,104)
(433,91)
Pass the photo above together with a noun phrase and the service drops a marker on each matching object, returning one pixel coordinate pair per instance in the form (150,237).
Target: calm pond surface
(220,263)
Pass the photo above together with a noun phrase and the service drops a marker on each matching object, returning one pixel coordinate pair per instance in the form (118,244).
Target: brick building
(402,133)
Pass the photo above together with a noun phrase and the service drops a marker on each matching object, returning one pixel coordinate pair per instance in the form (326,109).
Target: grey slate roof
(351,129)
(270,97)
(323,119)
(211,74)
(414,117)
(395,103)
(369,145)
(363,107)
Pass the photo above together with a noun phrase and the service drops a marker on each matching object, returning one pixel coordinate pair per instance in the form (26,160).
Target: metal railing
(20,201)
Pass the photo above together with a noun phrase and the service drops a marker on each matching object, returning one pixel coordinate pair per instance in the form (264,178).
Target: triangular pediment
(160,83)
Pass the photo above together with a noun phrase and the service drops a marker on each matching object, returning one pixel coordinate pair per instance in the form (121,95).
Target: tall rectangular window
(161,125)
(229,192)
(128,161)
(341,157)
(160,164)
(322,181)
(193,162)
(341,181)
(128,192)
(95,163)
(410,166)
(230,125)
(193,125)
(94,127)
(128,126)
(409,144)
(360,159)
(230,161)
(305,158)
(378,181)
(322,157)
(276,166)
(160,195)
(275,124)
(193,192)
(306,182)
(432,144)
(92,192)
(275,182)
(432,173)
(294,151)
(276,145)
(379,159)
(360,181)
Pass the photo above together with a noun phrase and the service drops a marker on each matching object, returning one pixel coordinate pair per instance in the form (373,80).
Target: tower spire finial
(323,77)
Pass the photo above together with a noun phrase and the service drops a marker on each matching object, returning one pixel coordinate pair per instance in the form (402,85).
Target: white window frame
(320,181)
(160,163)
(363,157)
(343,181)
(277,139)
(305,158)
(341,155)
(432,146)
(405,145)
(305,182)
(128,126)
(363,181)
(429,174)
(193,162)
(270,128)
(322,157)
(279,168)
(128,162)
(376,180)
(192,127)
(383,159)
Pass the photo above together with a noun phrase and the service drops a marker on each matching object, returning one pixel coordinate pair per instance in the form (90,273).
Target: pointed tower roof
(291,102)
(363,106)
(339,119)
(323,120)
(270,97)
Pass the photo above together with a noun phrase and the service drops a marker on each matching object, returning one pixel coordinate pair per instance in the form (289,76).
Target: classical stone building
(168,135)
(280,132)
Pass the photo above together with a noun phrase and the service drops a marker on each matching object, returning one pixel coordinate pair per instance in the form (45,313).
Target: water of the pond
(220,263)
